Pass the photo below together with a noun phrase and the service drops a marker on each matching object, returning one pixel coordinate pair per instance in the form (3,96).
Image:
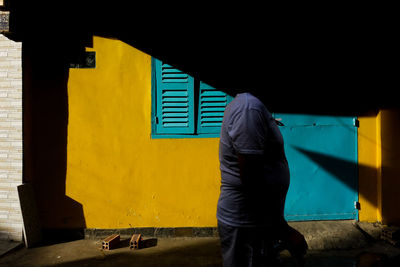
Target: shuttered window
(183,108)
(175,100)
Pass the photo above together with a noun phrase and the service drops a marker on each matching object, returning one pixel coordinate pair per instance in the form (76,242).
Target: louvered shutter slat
(170,93)
(216,109)
(212,119)
(176,115)
(213,99)
(213,93)
(175,99)
(165,111)
(212,103)
(167,104)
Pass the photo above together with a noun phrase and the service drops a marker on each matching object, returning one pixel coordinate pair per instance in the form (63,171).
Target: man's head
(261,94)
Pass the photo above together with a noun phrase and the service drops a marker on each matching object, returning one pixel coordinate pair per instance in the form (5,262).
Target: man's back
(248,130)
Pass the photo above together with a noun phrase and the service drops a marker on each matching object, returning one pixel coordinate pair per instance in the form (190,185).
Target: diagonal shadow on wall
(337,167)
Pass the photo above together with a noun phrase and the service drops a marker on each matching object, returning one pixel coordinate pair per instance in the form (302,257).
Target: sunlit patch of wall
(368,152)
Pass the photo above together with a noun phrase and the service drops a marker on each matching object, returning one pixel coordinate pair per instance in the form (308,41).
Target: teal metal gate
(322,156)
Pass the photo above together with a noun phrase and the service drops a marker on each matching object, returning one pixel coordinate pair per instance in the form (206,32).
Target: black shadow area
(45,127)
(304,60)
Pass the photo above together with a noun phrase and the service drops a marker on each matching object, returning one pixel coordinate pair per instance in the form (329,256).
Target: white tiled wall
(10,138)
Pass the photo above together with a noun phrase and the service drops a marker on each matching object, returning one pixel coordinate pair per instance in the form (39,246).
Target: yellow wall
(368,162)
(121,176)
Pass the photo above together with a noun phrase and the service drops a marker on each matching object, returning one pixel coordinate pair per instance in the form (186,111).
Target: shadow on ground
(202,253)
(206,254)
(190,252)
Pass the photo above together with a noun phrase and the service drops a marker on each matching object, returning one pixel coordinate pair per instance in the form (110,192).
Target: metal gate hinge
(356,123)
(357,205)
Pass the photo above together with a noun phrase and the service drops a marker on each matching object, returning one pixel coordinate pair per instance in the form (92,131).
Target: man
(254,183)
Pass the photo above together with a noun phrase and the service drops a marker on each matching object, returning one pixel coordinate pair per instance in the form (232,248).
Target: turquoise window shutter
(175,100)
(212,104)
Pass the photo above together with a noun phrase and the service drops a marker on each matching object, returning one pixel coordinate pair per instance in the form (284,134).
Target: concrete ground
(341,244)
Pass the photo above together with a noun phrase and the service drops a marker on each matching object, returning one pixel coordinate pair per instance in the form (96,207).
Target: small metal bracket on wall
(86,61)
(356,122)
